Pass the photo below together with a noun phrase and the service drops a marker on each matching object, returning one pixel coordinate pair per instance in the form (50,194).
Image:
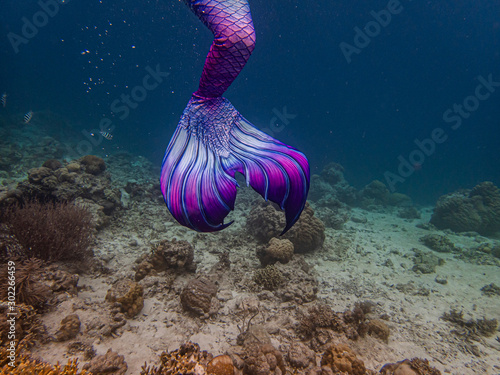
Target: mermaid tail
(213,141)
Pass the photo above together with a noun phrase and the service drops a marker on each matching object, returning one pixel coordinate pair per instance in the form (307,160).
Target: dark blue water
(364,114)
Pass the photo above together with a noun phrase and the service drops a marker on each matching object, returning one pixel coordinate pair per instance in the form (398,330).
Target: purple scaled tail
(213,141)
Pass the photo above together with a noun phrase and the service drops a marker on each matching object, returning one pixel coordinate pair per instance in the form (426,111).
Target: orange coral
(24,364)
(220,365)
(340,358)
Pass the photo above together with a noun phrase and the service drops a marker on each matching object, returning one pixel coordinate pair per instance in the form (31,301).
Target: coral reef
(167,255)
(269,277)
(70,327)
(491,290)
(129,295)
(187,360)
(22,148)
(260,359)
(415,366)
(333,217)
(62,281)
(173,255)
(489,248)
(376,193)
(28,327)
(220,365)
(82,181)
(301,285)
(409,213)
(331,186)
(29,289)
(51,231)
(91,164)
(277,250)
(439,243)
(471,328)
(333,173)
(110,363)
(199,296)
(99,327)
(26,365)
(266,222)
(308,233)
(475,210)
(300,356)
(378,328)
(52,164)
(84,350)
(341,359)
(320,321)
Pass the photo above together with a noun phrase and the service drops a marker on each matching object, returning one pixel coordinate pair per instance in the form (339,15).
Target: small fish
(106,135)
(3,100)
(27,117)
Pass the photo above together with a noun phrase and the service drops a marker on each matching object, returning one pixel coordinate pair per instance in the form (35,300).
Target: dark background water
(362,114)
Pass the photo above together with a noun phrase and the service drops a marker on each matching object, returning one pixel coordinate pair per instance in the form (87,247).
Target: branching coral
(23,364)
(188,360)
(269,278)
(51,231)
(28,327)
(29,289)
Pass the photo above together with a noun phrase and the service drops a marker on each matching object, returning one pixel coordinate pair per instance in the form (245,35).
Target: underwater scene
(249,187)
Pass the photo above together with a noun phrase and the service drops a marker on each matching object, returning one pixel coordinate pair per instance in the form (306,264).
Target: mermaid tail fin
(211,143)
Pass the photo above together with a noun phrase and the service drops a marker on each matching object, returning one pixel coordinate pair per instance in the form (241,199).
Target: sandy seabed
(365,261)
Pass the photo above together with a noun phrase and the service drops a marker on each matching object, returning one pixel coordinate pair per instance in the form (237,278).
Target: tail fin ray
(207,149)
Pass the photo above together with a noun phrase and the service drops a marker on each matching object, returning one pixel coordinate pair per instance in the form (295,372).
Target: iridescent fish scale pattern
(231,23)
(213,141)
(210,121)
